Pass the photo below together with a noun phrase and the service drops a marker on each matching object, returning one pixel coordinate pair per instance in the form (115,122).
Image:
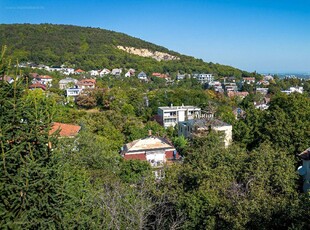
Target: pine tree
(29,182)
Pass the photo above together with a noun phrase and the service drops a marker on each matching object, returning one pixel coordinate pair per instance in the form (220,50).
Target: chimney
(150,132)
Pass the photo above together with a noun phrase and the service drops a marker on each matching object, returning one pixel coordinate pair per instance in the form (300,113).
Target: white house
(94,73)
(73,92)
(68,71)
(204,78)
(293,90)
(304,170)
(127,74)
(104,72)
(67,83)
(155,150)
(170,116)
(43,79)
(142,76)
(248,80)
(200,127)
(116,72)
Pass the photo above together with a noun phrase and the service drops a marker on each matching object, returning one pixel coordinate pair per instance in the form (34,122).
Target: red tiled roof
(44,77)
(239,94)
(79,71)
(138,156)
(249,78)
(66,130)
(156,74)
(37,86)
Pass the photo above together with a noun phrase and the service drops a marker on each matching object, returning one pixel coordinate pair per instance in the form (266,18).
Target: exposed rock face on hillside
(159,56)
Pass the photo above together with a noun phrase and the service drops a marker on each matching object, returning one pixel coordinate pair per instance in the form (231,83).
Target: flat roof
(182,107)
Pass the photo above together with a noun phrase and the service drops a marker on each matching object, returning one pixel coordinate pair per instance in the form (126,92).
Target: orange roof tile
(66,130)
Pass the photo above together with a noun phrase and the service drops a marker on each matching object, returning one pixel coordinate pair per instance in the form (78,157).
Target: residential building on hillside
(201,127)
(216,85)
(73,92)
(230,87)
(104,72)
(304,170)
(37,86)
(42,79)
(86,84)
(142,76)
(248,80)
(293,90)
(262,91)
(171,115)
(68,82)
(94,72)
(116,72)
(156,150)
(233,94)
(79,71)
(204,78)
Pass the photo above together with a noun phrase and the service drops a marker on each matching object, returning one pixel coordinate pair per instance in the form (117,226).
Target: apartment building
(171,115)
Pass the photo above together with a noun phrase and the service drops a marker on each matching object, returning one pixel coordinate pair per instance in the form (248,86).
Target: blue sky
(261,35)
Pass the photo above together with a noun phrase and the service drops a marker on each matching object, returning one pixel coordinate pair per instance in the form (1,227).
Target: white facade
(170,116)
(67,83)
(104,72)
(73,92)
(304,170)
(204,78)
(293,90)
(94,73)
(201,127)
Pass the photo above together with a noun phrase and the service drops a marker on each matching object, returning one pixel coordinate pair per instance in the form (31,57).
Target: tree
(29,182)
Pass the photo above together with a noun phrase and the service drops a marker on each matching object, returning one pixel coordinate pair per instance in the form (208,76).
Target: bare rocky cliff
(159,56)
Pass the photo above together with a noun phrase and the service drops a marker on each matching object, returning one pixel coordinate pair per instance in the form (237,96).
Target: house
(293,90)
(156,74)
(94,72)
(68,82)
(248,80)
(216,85)
(171,115)
(142,76)
(230,87)
(37,86)
(116,72)
(65,130)
(127,74)
(8,79)
(181,76)
(130,72)
(67,71)
(232,94)
(161,75)
(263,82)
(73,92)
(204,78)
(104,72)
(304,170)
(86,84)
(201,127)
(262,91)
(42,79)
(156,150)
(79,71)
(268,78)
